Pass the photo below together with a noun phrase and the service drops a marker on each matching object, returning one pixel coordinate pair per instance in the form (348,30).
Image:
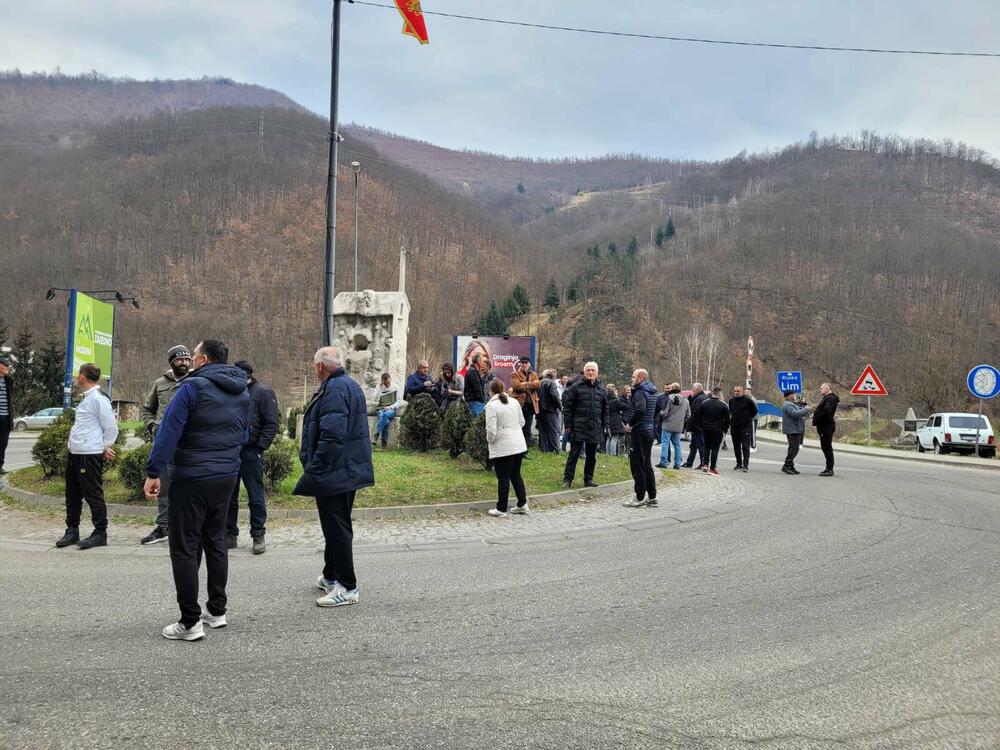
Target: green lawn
(401,478)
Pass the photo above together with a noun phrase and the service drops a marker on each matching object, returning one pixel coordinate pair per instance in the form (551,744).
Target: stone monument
(370,332)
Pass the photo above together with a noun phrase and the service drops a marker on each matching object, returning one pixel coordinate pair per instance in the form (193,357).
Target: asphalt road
(858,611)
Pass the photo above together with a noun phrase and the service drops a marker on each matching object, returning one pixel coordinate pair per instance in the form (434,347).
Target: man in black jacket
(742,410)
(824,420)
(549,406)
(6,408)
(264,424)
(697,398)
(714,414)
(640,428)
(585,409)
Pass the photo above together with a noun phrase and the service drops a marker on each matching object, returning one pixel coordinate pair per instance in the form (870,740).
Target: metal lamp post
(356,167)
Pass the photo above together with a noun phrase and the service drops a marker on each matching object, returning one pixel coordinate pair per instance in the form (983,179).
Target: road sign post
(983,383)
(869,385)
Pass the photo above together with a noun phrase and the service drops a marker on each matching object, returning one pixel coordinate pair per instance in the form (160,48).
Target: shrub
(279,460)
(475,441)
(457,420)
(50,449)
(420,425)
(132,469)
(143,434)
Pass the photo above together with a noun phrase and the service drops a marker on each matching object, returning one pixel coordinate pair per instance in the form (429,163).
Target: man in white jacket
(90,445)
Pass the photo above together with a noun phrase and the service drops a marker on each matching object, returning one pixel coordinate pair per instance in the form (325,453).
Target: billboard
(92,333)
(503,352)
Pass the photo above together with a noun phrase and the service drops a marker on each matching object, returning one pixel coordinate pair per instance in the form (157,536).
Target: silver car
(37,421)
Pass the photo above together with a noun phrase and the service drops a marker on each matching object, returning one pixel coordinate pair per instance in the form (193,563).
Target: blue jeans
(252,475)
(668,440)
(385,417)
(612,445)
(697,446)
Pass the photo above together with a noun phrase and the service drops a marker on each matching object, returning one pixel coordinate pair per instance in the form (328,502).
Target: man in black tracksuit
(824,420)
(697,398)
(6,408)
(640,428)
(263,429)
(714,423)
(742,410)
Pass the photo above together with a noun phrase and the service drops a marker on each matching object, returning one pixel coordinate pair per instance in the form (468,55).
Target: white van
(956,432)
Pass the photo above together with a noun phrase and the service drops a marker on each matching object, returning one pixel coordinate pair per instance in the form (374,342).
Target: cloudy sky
(549,93)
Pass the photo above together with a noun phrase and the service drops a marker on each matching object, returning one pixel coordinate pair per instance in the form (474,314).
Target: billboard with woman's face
(502,352)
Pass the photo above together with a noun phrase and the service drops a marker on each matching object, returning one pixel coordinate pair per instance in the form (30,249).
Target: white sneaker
(177,632)
(213,621)
(324,585)
(634,503)
(338,596)
(519,510)
(496,513)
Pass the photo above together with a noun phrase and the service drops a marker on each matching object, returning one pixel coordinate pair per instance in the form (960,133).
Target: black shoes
(96,539)
(72,536)
(589,483)
(746,469)
(826,473)
(157,535)
(233,542)
(259,547)
(788,470)
(738,467)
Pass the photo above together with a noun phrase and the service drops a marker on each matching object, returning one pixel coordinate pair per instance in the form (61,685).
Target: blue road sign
(984,381)
(790,381)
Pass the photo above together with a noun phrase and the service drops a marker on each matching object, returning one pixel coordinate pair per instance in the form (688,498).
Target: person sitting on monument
(387,404)
(419,381)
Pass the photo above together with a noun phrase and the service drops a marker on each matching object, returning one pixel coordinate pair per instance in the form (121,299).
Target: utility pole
(331,181)
(356,167)
(260,135)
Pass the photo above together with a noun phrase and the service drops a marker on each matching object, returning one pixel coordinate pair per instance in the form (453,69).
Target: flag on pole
(413,19)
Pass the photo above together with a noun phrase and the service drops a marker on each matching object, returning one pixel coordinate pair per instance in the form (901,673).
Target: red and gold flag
(413,19)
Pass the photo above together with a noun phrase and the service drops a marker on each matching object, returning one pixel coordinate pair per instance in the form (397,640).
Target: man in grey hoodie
(793,424)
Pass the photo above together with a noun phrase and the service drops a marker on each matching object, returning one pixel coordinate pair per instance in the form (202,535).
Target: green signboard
(93,332)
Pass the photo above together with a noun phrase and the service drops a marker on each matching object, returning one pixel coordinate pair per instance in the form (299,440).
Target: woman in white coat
(504,433)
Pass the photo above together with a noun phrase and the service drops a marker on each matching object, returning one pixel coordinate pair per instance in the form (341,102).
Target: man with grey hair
(336,457)
(585,410)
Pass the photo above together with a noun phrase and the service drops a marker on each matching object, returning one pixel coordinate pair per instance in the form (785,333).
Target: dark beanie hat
(786,394)
(245,366)
(177,351)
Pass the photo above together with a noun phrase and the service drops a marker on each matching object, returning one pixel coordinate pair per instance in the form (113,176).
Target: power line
(690,39)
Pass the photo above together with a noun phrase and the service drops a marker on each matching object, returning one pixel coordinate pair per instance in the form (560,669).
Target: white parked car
(956,432)
(37,421)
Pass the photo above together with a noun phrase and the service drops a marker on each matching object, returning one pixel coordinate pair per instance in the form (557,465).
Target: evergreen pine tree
(633,247)
(669,231)
(28,396)
(659,236)
(50,367)
(491,323)
(4,332)
(519,296)
(612,249)
(509,311)
(420,425)
(551,295)
(456,423)
(520,188)
(572,292)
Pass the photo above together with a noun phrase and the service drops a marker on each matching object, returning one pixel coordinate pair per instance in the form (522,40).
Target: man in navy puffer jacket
(640,427)
(202,432)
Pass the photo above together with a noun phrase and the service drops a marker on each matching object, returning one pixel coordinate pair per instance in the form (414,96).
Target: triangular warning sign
(869,384)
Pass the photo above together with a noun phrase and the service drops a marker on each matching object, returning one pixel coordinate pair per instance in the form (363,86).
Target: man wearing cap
(6,408)
(163,390)
(263,430)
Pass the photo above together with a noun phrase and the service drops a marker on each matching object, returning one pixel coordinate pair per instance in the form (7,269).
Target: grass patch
(401,478)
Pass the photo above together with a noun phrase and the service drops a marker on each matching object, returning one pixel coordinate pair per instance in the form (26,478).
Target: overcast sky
(548,93)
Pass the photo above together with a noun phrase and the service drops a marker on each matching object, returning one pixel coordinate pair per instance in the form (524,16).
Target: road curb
(898,455)
(551,500)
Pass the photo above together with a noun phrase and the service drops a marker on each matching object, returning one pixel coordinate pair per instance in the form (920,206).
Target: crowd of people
(210,423)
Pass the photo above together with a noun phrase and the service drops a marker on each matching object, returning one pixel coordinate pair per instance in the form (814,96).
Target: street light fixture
(356,167)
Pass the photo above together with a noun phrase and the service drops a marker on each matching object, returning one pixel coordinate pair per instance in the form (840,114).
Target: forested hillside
(831,253)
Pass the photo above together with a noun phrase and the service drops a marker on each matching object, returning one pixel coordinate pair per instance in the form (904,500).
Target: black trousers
(741,444)
(640,459)
(85,481)
(826,443)
(713,441)
(196,518)
(794,444)
(5,426)
(589,463)
(548,432)
(335,519)
(508,471)
(528,410)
